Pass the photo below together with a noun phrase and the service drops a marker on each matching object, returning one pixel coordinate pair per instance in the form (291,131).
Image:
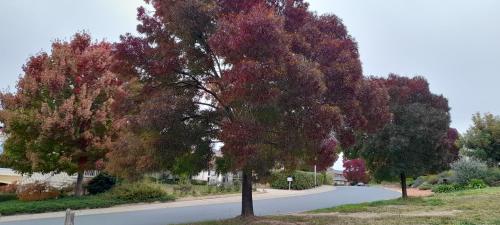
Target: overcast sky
(454,44)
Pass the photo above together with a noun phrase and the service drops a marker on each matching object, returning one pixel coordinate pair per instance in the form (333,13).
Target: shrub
(139,192)
(447,177)
(101,183)
(410,181)
(476,184)
(184,186)
(301,180)
(443,188)
(328,179)
(493,177)
(431,179)
(425,186)
(7,197)
(37,191)
(467,169)
(9,188)
(199,182)
(419,181)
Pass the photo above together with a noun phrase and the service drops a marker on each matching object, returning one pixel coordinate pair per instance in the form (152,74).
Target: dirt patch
(412,192)
(276,222)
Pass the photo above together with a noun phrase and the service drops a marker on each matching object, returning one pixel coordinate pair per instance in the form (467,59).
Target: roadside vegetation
(121,194)
(469,207)
(102,191)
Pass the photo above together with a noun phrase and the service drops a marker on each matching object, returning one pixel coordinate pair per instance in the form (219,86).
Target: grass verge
(469,207)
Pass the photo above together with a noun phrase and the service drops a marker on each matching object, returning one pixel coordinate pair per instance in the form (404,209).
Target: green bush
(301,180)
(443,188)
(447,177)
(493,177)
(410,181)
(467,169)
(432,179)
(199,182)
(425,186)
(101,183)
(184,186)
(476,184)
(7,197)
(139,192)
(419,181)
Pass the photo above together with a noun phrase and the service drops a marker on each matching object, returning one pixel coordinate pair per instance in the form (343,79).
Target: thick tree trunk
(246,195)
(79,184)
(403,185)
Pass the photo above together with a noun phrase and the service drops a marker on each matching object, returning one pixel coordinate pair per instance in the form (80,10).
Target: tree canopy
(277,84)
(60,119)
(418,140)
(482,139)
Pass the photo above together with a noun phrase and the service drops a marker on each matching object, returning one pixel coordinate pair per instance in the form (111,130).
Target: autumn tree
(482,139)
(60,117)
(417,140)
(355,171)
(278,85)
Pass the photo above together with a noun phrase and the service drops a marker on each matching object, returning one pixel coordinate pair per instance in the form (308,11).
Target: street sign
(289,179)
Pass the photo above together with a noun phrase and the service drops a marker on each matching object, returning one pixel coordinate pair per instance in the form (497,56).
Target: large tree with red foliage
(60,118)
(418,140)
(280,84)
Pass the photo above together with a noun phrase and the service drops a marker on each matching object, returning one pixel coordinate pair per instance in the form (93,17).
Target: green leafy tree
(60,118)
(482,140)
(277,84)
(412,143)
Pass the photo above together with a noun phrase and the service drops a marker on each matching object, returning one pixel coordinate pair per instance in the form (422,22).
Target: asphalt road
(284,205)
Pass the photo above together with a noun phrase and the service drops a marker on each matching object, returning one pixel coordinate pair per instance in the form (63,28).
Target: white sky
(455,44)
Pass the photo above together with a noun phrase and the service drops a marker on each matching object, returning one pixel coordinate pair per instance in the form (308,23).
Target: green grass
(126,193)
(14,207)
(122,194)
(468,207)
(351,208)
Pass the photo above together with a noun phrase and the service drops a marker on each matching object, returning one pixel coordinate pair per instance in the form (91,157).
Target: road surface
(211,211)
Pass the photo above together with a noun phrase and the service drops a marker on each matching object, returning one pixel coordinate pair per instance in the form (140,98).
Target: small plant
(443,188)
(493,177)
(37,191)
(101,183)
(184,186)
(476,184)
(425,186)
(419,181)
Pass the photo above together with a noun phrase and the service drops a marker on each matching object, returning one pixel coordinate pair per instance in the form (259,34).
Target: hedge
(122,194)
(301,180)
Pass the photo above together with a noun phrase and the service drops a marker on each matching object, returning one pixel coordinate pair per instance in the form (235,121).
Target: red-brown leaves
(67,97)
(355,171)
(256,35)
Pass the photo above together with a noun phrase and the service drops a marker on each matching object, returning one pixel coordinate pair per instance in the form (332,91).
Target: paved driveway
(217,211)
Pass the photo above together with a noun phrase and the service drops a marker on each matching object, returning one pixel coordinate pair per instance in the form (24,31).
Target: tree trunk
(403,185)
(79,184)
(246,195)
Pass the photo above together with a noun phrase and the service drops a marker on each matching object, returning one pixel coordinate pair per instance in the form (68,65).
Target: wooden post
(70,217)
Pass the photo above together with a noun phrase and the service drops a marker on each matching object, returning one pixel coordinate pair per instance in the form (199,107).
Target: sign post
(289,179)
(315,179)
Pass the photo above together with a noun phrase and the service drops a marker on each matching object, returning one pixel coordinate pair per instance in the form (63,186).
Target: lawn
(459,208)
(13,207)
(123,194)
